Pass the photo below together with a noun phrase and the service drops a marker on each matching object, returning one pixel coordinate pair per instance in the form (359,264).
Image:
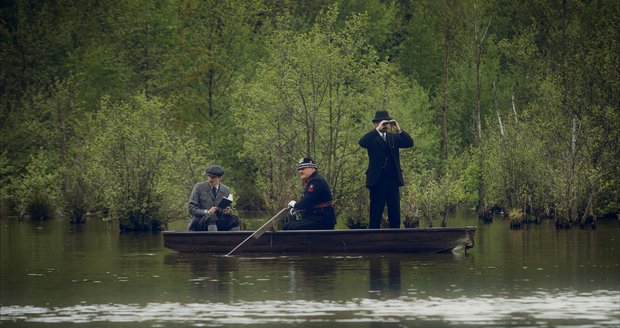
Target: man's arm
(194,202)
(404,140)
(367,139)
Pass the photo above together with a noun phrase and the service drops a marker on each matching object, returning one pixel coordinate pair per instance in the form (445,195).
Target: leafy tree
(314,96)
(36,191)
(513,170)
(141,170)
(143,37)
(217,43)
(549,162)
(528,109)
(382,26)
(33,45)
(6,177)
(431,198)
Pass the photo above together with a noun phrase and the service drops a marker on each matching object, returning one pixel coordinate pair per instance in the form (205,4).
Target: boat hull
(325,241)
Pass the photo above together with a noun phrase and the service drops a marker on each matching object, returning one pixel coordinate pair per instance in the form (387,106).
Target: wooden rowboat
(325,241)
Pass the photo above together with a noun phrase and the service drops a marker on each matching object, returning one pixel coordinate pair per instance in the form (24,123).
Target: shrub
(36,191)
(141,169)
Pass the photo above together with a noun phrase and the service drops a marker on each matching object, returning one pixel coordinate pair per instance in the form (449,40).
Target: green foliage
(50,126)
(514,167)
(426,26)
(140,169)
(553,159)
(36,191)
(431,197)
(217,43)
(314,96)
(215,46)
(6,175)
(356,215)
(255,85)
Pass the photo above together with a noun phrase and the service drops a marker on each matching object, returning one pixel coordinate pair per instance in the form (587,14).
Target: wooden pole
(257,234)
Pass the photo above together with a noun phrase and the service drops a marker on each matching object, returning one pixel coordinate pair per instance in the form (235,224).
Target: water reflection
(311,278)
(212,278)
(218,278)
(215,278)
(567,309)
(53,272)
(384,277)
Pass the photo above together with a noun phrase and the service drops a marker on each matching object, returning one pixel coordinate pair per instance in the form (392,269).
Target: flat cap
(215,170)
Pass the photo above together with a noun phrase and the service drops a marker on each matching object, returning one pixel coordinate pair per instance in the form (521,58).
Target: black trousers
(320,219)
(223,223)
(385,191)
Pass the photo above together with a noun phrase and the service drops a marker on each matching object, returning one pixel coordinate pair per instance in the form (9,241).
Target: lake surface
(54,274)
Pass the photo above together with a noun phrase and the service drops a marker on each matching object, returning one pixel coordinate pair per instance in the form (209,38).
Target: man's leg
(393,203)
(228,222)
(377,204)
(212,218)
(198,224)
(304,224)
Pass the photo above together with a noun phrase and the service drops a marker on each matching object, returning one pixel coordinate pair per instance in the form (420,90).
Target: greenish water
(54,274)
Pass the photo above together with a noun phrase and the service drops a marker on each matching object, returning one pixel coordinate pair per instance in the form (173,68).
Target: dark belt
(323,205)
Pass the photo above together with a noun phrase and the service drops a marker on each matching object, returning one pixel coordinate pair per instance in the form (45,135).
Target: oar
(257,234)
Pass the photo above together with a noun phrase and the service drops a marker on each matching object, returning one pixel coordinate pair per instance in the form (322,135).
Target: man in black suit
(384,176)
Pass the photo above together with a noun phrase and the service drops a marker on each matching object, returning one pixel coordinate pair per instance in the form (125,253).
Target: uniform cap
(306,162)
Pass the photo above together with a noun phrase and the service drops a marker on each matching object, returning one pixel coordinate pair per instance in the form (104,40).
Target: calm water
(54,274)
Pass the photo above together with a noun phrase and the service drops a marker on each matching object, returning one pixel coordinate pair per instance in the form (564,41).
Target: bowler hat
(306,162)
(215,170)
(381,115)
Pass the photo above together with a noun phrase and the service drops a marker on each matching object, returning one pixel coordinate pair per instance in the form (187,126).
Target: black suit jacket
(378,149)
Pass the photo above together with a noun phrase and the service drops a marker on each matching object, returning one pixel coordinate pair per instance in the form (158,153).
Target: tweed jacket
(202,199)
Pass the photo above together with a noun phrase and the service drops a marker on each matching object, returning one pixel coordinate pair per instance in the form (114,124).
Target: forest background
(117,107)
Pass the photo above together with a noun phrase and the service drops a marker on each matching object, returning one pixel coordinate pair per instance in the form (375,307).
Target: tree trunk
(499,118)
(210,86)
(444,219)
(572,197)
(483,212)
(514,110)
(588,218)
(444,105)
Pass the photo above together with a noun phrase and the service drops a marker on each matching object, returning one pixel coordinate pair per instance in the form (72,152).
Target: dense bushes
(141,170)
(118,108)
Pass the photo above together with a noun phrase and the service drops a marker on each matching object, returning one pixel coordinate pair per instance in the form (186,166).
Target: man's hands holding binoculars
(385,124)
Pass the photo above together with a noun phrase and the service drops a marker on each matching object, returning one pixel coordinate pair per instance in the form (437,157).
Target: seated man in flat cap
(315,206)
(203,204)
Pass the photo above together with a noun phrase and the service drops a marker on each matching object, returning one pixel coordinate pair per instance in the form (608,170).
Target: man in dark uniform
(384,176)
(315,206)
(203,204)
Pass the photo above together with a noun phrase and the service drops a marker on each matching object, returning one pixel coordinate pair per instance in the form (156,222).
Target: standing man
(315,206)
(384,176)
(203,204)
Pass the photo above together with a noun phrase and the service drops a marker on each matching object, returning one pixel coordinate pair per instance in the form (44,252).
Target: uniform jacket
(316,191)
(380,151)
(202,199)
